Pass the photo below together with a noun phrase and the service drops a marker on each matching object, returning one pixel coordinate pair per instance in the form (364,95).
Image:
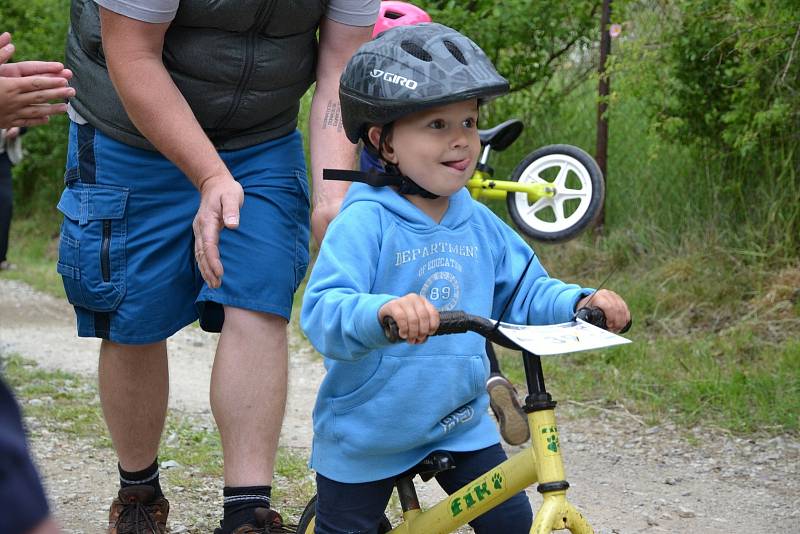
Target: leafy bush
(39,29)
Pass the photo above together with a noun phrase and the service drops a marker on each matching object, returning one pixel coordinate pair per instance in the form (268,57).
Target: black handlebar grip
(592,315)
(596,317)
(450,322)
(390,329)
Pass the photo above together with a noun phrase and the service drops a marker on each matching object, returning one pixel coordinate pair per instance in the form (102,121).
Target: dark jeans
(358,508)
(6,202)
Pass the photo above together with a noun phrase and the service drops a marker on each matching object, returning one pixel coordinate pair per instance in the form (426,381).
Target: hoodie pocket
(91,254)
(409,402)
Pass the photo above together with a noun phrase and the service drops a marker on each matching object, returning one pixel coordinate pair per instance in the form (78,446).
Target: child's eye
(438,124)
(470,123)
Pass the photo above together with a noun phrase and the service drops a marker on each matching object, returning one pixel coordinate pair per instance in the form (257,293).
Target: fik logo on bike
(487,489)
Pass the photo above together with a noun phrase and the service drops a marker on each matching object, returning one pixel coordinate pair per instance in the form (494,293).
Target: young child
(408,251)
(502,395)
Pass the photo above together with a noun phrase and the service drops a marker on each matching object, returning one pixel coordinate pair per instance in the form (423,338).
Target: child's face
(438,148)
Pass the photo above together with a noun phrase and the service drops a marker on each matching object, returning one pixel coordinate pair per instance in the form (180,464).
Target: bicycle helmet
(406,69)
(393,14)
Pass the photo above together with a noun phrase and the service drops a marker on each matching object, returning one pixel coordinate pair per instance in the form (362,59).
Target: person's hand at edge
(26,88)
(220,200)
(415,316)
(613,306)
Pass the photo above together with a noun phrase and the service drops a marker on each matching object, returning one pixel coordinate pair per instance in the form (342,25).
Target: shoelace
(136,514)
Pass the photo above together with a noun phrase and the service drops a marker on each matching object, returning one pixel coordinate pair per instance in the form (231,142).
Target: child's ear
(386,151)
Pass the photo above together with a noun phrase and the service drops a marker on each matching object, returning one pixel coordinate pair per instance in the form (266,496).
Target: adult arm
(157,108)
(26,88)
(330,147)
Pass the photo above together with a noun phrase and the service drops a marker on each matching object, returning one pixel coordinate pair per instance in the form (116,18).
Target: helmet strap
(392,177)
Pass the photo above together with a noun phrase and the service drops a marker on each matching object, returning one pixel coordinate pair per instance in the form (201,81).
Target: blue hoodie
(383,407)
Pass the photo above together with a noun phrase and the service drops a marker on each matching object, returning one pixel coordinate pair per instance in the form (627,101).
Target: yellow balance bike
(553,193)
(540,463)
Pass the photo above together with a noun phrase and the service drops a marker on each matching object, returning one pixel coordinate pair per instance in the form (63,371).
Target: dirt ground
(625,476)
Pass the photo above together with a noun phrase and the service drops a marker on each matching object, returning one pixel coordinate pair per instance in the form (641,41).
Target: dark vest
(242,66)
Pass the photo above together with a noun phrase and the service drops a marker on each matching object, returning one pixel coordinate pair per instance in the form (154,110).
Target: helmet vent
(455,51)
(416,50)
(394,15)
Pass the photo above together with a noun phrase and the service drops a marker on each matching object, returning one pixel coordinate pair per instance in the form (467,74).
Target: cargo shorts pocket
(91,253)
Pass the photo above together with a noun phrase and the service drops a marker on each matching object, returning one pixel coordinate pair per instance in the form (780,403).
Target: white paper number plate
(561,338)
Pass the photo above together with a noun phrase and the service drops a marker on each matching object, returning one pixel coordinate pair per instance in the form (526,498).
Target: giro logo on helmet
(394,78)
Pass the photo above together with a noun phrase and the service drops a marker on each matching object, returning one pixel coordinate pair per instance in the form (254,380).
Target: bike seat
(434,463)
(502,135)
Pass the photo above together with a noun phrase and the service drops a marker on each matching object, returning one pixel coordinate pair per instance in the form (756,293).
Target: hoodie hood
(458,213)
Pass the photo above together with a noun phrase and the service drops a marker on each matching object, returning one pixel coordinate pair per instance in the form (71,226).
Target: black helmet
(410,68)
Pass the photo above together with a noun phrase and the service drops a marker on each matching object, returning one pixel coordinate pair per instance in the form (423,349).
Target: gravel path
(625,476)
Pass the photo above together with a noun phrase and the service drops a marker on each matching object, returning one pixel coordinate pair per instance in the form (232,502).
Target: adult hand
(614,308)
(220,200)
(26,88)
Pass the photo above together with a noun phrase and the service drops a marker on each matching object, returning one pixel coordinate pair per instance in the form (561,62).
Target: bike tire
(306,523)
(572,209)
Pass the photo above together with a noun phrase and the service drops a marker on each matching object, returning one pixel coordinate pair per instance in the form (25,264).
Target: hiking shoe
(505,406)
(136,510)
(268,521)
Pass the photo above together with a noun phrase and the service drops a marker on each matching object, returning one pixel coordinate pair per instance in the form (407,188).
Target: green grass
(716,336)
(33,248)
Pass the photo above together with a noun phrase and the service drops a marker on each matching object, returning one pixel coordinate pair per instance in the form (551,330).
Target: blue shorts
(126,254)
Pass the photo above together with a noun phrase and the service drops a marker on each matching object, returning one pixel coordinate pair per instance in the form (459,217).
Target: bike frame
(483,185)
(541,462)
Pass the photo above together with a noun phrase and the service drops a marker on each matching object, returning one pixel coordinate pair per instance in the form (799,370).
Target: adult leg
(126,261)
(248,394)
(134,388)
(265,259)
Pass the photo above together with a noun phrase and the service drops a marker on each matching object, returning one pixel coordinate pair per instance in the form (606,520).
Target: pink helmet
(398,14)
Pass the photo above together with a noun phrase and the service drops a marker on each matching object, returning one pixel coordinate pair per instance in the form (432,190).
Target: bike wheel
(306,523)
(579,193)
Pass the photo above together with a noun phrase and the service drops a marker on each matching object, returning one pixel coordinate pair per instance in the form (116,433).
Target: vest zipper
(105,254)
(264,11)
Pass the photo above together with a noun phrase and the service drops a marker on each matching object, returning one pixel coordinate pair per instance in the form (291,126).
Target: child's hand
(416,318)
(614,308)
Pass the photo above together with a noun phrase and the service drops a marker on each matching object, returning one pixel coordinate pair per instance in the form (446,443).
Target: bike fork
(556,513)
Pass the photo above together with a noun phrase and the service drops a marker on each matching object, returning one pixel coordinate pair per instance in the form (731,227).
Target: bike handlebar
(458,322)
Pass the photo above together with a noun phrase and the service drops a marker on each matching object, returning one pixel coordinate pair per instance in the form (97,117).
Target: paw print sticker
(497,481)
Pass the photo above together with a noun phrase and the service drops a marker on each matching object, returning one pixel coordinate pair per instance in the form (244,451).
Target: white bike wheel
(579,193)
